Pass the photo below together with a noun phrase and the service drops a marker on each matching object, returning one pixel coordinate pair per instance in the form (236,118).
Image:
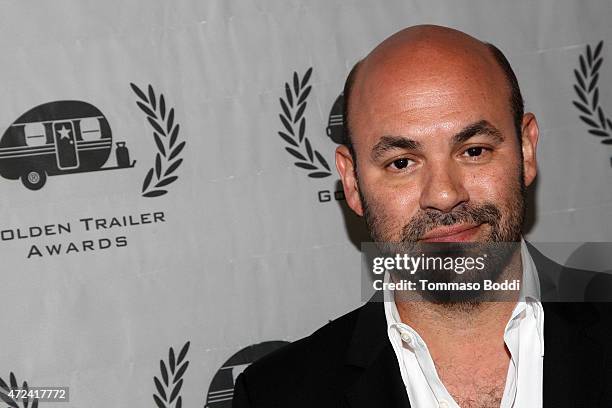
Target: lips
(453,233)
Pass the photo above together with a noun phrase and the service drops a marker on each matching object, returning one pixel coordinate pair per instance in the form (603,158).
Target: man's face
(438,158)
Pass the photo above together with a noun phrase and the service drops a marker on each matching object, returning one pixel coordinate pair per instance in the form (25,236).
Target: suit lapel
(380,383)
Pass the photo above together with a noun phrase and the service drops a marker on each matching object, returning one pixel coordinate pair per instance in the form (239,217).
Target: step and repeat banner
(170,206)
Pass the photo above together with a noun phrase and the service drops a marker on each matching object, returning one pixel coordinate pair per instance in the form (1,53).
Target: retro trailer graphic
(55,138)
(335,125)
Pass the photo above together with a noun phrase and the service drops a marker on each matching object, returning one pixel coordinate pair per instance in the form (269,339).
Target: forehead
(425,86)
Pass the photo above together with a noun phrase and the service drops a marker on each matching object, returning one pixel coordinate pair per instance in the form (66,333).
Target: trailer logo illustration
(335,125)
(221,390)
(57,138)
(587,90)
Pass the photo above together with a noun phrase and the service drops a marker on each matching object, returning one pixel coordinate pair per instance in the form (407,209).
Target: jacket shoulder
(305,370)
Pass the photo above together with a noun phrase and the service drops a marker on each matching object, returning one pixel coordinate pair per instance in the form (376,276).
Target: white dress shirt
(523,335)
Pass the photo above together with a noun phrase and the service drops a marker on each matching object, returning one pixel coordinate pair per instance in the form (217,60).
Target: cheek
(397,201)
(495,184)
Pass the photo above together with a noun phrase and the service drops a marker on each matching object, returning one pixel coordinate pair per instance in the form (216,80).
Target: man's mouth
(452,233)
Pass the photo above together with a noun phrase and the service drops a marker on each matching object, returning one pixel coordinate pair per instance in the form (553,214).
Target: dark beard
(502,241)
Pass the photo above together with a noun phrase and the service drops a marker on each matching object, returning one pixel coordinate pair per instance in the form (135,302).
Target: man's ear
(529,137)
(346,169)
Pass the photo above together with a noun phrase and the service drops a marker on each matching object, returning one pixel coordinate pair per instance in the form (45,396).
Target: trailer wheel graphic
(34,179)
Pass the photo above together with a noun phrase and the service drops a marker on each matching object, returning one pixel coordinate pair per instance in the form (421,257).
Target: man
(438,149)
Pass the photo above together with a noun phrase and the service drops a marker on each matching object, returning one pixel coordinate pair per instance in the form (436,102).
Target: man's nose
(443,188)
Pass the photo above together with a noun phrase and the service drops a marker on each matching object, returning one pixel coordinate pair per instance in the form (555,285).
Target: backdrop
(170,205)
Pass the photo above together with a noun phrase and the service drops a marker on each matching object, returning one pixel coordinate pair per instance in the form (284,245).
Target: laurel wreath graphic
(5,389)
(293,106)
(169,390)
(588,94)
(165,133)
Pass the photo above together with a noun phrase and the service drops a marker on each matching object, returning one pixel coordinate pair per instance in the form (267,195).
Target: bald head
(434,63)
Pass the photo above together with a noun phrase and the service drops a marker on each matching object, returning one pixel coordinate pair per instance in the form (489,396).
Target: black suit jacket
(351,363)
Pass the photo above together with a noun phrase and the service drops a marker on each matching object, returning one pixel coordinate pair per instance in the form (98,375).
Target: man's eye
(475,152)
(400,164)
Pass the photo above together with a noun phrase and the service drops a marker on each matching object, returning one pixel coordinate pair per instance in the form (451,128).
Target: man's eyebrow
(387,143)
(477,128)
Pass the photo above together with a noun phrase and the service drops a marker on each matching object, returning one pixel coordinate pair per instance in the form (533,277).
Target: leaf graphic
(180,371)
(3,385)
(582,108)
(288,139)
(147,180)
(600,133)
(319,174)
(286,124)
(152,98)
(164,371)
(139,93)
(176,150)
(322,160)
(306,166)
(300,112)
(176,390)
(589,121)
(598,50)
(158,166)
(579,79)
(160,388)
(595,99)
(156,126)
(302,130)
(171,360)
(170,121)
(158,402)
(146,109)
(602,119)
(285,108)
(174,135)
(308,149)
(593,83)
(154,193)
(296,84)
(160,145)
(304,95)
(166,181)
(295,153)
(183,352)
(173,167)
(306,77)
(597,65)
(583,66)
(288,94)
(580,94)
(589,56)
(162,106)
